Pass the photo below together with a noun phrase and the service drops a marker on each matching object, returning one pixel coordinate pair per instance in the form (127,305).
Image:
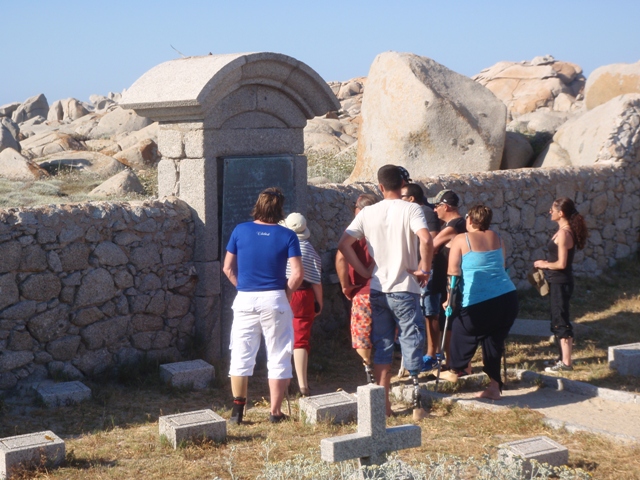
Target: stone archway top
(189,88)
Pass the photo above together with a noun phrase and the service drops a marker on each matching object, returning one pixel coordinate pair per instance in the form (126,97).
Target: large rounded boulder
(543,82)
(609,81)
(610,133)
(427,118)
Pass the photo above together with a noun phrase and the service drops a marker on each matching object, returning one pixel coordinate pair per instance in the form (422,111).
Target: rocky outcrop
(118,121)
(609,81)
(87,162)
(49,143)
(69,109)
(610,133)
(543,82)
(7,109)
(140,156)
(540,121)
(124,183)
(7,140)
(419,114)
(15,166)
(518,152)
(31,107)
(337,131)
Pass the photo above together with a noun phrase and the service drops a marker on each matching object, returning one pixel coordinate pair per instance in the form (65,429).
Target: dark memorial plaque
(243,180)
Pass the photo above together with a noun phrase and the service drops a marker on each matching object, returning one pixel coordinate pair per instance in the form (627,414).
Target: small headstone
(196,374)
(625,359)
(337,407)
(541,449)
(30,449)
(191,426)
(62,394)
(373,440)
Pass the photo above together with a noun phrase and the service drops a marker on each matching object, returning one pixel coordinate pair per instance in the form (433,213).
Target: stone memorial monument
(373,440)
(230,126)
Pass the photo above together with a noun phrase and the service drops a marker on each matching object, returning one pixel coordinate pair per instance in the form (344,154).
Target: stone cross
(373,440)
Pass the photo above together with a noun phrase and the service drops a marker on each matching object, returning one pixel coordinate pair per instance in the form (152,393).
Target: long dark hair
(576,221)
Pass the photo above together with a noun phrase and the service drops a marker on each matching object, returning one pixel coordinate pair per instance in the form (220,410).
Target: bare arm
(444,237)
(342,269)
(296,277)
(317,292)
(426,256)
(230,268)
(344,245)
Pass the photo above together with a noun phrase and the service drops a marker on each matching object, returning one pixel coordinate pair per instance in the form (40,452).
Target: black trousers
(487,323)
(559,296)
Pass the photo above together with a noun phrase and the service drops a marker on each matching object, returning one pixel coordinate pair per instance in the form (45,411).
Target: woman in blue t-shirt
(488,303)
(256,263)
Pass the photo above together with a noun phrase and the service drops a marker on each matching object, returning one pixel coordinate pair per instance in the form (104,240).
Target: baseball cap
(404,173)
(445,196)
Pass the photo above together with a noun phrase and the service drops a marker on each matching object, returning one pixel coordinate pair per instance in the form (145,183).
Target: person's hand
(371,268)
(288,292)
(539,263)
(348,290)
(421,276)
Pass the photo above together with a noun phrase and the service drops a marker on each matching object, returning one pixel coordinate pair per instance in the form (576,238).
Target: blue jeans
(430,302)
(402,310)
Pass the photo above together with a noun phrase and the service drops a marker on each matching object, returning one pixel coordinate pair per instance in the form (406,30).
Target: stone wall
(607,196)
(84,288)
(90,286)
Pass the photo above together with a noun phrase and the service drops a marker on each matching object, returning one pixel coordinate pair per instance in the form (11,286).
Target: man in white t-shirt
(392,228)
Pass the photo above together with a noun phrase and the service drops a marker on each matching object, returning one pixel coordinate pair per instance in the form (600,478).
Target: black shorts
(559,296)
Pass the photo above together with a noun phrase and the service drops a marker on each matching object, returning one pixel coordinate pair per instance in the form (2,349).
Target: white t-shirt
(390,228)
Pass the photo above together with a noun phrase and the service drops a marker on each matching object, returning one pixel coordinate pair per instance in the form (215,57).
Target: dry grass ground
(67,187)
(115,435)
(606,310)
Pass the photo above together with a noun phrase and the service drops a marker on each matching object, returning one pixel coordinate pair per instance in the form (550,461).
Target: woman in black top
(572,233)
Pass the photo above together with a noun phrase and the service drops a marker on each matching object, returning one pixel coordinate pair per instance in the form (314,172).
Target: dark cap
(445,196)
(404,173)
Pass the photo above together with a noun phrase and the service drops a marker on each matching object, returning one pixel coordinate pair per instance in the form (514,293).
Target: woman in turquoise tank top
(488,301)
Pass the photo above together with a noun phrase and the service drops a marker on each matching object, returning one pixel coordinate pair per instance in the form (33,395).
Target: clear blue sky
(76,48)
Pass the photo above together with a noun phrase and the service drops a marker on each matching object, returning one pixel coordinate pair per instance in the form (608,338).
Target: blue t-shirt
(262,252)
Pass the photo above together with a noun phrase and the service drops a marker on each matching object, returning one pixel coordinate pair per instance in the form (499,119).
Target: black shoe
(237,411)
(277,418)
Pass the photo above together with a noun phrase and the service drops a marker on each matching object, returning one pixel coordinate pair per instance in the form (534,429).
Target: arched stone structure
(220,114)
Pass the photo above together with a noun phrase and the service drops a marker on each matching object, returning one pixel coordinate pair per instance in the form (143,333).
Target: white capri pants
(261,313)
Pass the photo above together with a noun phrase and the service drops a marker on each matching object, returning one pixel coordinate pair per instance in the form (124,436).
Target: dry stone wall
(84,288)
(87,287)
(607,196)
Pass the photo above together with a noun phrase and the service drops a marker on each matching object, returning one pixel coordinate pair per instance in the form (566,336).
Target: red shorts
(302,304)
(361,321)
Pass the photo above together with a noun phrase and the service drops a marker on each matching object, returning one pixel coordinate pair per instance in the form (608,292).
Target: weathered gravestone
(63,394)
(373,440)
(196,374)
(230,126)
(541,449)
(32,449)
(625,359)
(336,407)
(190,426)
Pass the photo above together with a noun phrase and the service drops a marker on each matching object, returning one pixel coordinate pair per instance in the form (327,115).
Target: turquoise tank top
(483,276)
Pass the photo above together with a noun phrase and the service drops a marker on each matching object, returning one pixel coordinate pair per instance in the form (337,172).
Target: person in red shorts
(306,301)
(356,289)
